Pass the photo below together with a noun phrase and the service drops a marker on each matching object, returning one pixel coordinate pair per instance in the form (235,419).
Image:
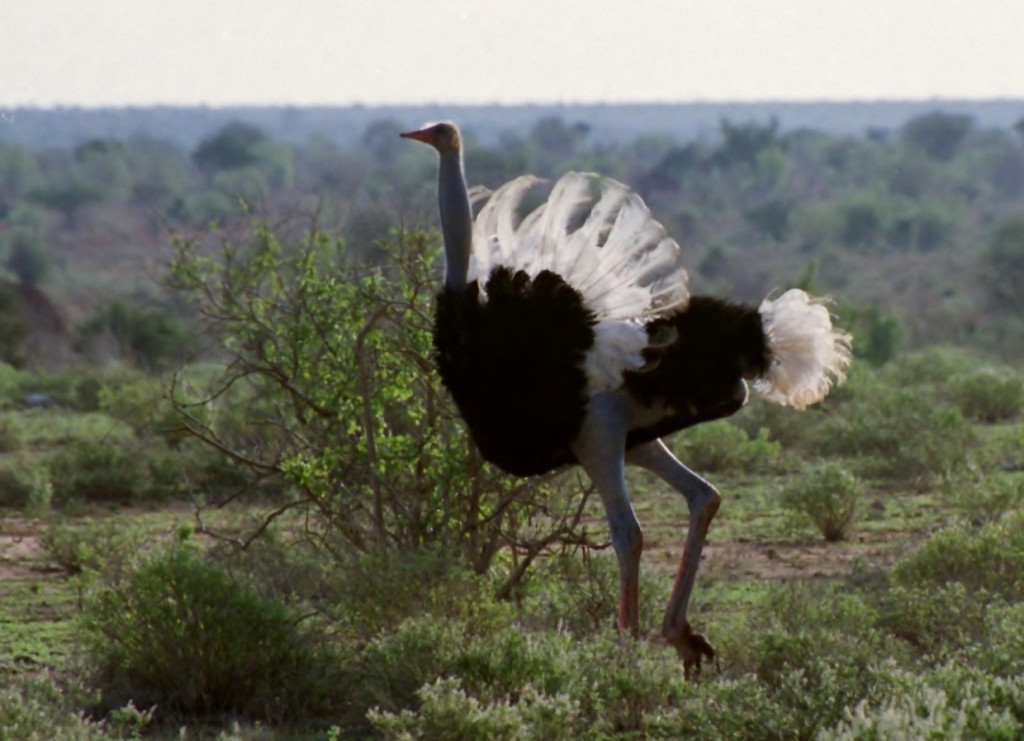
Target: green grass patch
(36,622)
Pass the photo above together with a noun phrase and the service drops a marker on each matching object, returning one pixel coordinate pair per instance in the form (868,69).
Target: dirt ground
(798,560)
(22,555)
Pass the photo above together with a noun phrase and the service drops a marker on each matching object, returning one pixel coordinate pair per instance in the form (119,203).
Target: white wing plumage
(603,241)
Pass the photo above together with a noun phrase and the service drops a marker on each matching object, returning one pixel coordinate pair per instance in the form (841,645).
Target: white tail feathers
(809,355)
(603,241)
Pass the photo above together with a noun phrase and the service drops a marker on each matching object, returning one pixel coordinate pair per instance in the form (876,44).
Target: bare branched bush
(328,401)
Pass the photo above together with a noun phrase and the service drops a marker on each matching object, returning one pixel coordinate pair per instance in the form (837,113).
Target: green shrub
(722,446)
(1004,449)
(492,659)
(61,388)
(932,366)
(82,546)
(814,650)
(120,472)
(828,496)
(503,663)
(29,262)
(25,483)
(447,713)
(393,667)
(151,337)
(931,620)
(51,428)
(344,408)
(627,689)
(10,383)
(993,703)
(100,471)
(988,395)
(41,709)
(983,496)
(858,219)
(906,435)
(790,428)
(178,633)
(87,393)
(989,559)
(923,712)
(816,656)
(498,672)
(799,625)
(1002,651)
(375,593)
(369,595)
(949,702)
(136,401)
(12,435)
(939,622)
(806,656)
(576,595)
(799,661)
(13,328)
(535,686)
(172,472)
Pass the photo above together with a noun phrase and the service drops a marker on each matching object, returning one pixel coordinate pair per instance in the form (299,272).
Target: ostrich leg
(599,450)
(703,500)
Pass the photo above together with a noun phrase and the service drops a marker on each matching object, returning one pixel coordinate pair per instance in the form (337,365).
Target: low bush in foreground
(42,709)
(917,656)
(176,632)
(933,648)
(988,560)
(948,702)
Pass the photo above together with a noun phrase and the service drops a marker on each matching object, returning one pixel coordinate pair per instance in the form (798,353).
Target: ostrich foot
(691,647)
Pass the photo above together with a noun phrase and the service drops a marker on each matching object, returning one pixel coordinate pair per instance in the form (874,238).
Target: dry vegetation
(196,532)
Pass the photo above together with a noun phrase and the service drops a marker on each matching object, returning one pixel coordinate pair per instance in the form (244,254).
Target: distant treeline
(41,128)
(914,224)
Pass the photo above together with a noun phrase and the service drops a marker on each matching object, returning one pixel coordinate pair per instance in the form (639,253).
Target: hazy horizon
(144,53)
(754,102)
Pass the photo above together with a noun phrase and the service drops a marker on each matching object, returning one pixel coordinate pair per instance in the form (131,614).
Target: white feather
(808,354)
(603,241)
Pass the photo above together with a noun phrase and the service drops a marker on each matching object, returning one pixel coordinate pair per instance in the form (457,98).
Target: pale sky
(340,52)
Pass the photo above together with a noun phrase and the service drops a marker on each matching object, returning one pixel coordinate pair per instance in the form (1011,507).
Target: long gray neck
(456,219)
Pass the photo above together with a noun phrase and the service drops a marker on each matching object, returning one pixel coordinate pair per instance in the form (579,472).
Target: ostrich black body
(514,366)
(699,374)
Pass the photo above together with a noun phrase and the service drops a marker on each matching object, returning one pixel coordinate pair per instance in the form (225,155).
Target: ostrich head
(444,136)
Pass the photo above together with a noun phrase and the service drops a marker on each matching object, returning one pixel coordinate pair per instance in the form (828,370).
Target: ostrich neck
(456,219)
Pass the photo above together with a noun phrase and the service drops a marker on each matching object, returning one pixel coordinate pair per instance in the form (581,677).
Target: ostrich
(568,336)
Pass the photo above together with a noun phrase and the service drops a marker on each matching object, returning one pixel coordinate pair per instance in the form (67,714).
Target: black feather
(514,366)
(699,375)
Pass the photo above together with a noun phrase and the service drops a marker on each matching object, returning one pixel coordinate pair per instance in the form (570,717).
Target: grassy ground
(771,594)
(37,601)
(753,539)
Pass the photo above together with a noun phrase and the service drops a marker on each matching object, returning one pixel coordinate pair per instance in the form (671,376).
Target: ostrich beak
(423,135)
